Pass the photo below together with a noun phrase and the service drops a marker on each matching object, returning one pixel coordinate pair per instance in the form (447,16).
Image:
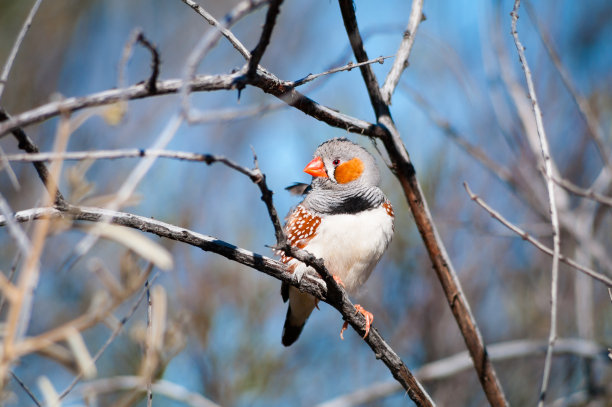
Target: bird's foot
(369,317)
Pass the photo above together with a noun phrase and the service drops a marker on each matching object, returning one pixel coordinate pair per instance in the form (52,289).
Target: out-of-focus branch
(576,190)
(11,58)
(403,53)
(405,172)
(163,387)
(541,246)
(452,365)
(20,305)
(582,104)
(550,186)
(26,389)
(117,330)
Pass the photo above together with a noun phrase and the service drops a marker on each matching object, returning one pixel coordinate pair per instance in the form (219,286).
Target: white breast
(351,245)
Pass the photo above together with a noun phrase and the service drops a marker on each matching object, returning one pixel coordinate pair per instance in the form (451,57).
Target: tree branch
(27,145)
(264,40)
(405,172)
(403,53)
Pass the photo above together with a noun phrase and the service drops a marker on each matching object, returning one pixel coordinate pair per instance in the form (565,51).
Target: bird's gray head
(341,164)
(345,179)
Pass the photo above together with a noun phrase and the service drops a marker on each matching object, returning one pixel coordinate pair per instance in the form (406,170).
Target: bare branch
(575,189)
(264,40)
(347,67)
(11,58)
(240,10)
(554,217)
(541,246)
(264,80)
(137,37)
(27,145)
(26,389)
(403,53)
(406,174)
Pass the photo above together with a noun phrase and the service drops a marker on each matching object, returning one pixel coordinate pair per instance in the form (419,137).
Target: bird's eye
(336,161)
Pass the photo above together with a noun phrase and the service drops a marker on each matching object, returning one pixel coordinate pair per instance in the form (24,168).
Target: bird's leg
(369,317)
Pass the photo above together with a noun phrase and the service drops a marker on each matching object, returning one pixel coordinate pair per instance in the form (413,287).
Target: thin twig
(114,334)
(148,349)
(26,389)
(576,190)
(541,246)
(27,145)
(403,53)
(347,67)
(155,62)
(264,39)
(550,186)
(24,29)
(254,4)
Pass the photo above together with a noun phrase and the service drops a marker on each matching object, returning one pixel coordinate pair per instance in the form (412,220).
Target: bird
(344,219)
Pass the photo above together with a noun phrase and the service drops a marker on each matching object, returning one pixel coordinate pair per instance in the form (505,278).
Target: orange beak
(316,168)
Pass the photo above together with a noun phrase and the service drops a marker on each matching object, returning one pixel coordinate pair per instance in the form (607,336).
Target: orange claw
(369,317)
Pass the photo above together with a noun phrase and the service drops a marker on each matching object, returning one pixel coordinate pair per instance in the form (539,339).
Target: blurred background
(464,83)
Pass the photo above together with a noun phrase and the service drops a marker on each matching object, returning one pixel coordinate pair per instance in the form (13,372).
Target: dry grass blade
(145,247)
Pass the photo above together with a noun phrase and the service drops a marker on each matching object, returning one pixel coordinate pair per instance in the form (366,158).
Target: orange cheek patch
(349,171)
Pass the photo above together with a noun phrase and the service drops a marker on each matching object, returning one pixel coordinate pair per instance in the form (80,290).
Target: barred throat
(344,200)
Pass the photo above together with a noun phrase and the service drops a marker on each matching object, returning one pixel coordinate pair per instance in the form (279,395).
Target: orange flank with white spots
(301,227)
